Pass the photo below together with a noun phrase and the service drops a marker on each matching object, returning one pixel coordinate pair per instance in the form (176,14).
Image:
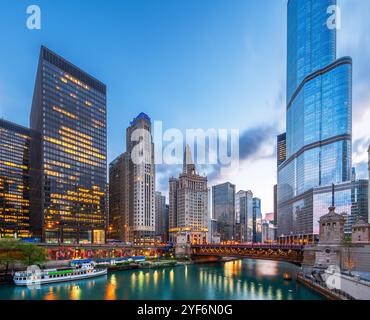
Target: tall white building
(135,187)
(188,198)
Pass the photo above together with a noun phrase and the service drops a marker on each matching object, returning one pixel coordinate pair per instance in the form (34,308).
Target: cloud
(354,41)
(252,140)
(255,144)
(360,157)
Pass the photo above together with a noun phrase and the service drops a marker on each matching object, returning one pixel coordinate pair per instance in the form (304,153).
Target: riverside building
(14,180)
(68,153)
(318,125)
(188,204)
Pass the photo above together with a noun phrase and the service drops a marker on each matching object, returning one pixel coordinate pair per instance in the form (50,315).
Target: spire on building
(188,164)
(332,197)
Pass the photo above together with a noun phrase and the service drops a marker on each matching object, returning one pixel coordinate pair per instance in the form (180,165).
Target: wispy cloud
(354,41)
(255,144)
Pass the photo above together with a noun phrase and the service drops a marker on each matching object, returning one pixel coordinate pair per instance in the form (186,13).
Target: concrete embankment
(325,292)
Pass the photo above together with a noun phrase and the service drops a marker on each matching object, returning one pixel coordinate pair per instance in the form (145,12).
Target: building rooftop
(141,116)
(332,215)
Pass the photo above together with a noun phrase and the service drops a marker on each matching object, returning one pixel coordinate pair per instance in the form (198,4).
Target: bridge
(281,252)
(98,251)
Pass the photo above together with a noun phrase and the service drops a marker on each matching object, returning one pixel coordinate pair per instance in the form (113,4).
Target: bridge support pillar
(183,250)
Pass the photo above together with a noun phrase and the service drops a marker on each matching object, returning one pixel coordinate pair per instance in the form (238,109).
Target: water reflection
(240,280)
(265,268)
(75,293)
(111,288)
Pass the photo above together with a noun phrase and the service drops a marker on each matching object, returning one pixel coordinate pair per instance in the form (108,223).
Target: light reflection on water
(238,280)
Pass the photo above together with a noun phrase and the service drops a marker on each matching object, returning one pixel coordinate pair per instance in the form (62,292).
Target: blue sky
(190,63)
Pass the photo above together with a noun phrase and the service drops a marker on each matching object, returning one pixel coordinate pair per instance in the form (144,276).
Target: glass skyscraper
(281,148)
(68,153)
(223,206)
(257,220)
(318,121)
(244,215)
(14,180)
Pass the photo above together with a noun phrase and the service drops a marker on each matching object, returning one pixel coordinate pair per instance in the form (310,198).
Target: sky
(189,63)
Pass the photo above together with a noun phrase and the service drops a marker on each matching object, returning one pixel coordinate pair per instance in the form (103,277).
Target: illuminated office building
(68,154)
(318,120)
(14,180)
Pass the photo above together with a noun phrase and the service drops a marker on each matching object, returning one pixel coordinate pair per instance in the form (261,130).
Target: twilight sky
(189,63)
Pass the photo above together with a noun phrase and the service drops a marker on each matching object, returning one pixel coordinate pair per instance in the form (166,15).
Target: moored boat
(39,277)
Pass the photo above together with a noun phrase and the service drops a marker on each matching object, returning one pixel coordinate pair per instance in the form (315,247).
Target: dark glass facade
(117,218)
(319,115)
(68,160)
(223,206)
(350,201)
(14,180)
(244,215)
(257,220)
(281,148)
(160,216)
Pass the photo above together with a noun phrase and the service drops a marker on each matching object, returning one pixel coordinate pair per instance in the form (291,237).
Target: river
(245,279)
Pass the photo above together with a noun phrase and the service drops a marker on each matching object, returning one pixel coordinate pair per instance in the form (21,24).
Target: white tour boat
(37,276)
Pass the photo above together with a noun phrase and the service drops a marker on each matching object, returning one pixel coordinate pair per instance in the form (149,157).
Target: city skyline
(185,150)
(192,93)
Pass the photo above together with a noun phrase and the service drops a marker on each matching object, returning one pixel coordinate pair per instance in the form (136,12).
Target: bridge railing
(252,246)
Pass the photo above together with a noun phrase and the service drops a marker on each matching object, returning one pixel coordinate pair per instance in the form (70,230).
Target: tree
(32,254)
(349,261)
(9,252)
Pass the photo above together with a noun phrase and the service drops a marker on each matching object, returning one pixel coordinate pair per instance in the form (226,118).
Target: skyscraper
(68,153)
(14,180)
(140,180)
(118,219)
(281,148)
(188,208)
(172,218)
(275,206)
(368,195)
(223,208)
(244,215)
(318,121)
(166,225)
(257,220)
(160,216)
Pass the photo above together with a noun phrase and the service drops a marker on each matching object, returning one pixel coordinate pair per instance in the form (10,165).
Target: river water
(245,279)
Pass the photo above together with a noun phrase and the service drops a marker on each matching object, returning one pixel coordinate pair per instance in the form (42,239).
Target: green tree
(32,254)
(9,252)
(349,261)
